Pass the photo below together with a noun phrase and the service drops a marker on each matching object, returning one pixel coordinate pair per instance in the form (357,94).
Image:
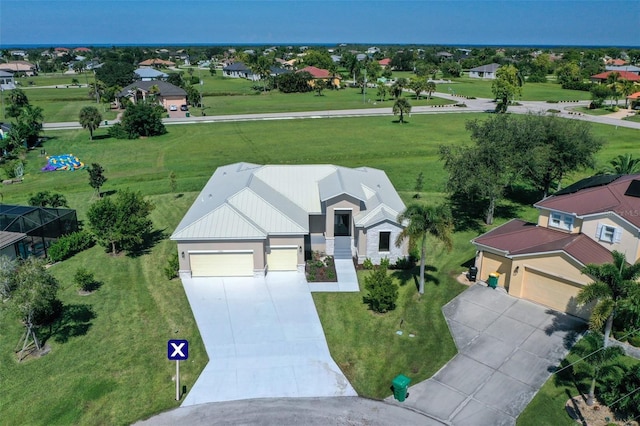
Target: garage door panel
(221,264)
(553,292)
(282,259)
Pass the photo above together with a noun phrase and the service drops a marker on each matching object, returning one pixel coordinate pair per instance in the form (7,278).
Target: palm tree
(430,88)
(398,87)
(90,118)
(382,91)
(613,83)
(597,361)
(613,283)
(418,86)
(623,164)
(421,221)
(402,107)
(627,88)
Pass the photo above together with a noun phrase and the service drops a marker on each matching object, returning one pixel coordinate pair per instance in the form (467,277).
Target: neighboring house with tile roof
(250,219)
(322,74)
(628,68)
(579,225)
(484,71)
(25,67)
(167,94)
(623,75)
(159,63)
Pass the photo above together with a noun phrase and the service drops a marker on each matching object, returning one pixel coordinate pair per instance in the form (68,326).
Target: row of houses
(252,219)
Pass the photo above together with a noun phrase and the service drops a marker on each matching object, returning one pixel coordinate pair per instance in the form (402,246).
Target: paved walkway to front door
(264,340)
(507,349)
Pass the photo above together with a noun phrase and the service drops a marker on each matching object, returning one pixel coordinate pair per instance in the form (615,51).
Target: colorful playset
(63,162)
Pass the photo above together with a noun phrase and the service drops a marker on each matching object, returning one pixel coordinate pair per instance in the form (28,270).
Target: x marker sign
(177,350)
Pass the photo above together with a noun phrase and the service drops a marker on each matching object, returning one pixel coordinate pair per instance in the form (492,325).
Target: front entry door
(341,223)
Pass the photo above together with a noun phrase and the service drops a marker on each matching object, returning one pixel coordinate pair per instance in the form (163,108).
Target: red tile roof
(605,198)
(616,62)
(150,62)
(317,72)
(634,96)
(624,75)
(518,237)
(384,62)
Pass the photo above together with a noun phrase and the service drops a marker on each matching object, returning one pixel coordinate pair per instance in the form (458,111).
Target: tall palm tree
(90,119)
(382,91)
(613,283)
(430,88)
(613,83)
(598,361)
(418,86)
(623,164)
(402,107)
(423,221)
(628,88)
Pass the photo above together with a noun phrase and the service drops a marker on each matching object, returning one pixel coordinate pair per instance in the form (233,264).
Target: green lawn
(480,88)
(114,370)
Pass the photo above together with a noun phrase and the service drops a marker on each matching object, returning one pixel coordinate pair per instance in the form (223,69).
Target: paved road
(472,105)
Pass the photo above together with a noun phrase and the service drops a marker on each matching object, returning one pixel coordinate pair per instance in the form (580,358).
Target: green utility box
(493,279)
(400,386)
(188,115)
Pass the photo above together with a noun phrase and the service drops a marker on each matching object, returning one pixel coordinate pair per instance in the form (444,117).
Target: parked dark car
(184,108)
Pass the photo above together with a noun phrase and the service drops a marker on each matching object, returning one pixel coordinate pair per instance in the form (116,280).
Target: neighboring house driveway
(264,340)
(507,347)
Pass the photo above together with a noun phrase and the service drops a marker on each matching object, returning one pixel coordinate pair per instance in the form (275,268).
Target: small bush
(328,261)
(84,280)
(552,102)
(194,80)
(382,291)
(10,168)
(553,111)
(69,245)
(172,266)
(385,263)
(118,131)
(367,264)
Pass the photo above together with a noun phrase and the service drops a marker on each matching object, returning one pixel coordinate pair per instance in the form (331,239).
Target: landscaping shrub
(10,168)
(577,85)
(385,263)
(70,244)
(382,291)
(172,266)
(367,264)
(84,280)
(118,132)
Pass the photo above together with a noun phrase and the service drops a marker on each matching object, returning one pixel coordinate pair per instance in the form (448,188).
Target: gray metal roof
(150,73)
(249,201)
(166,89)
(9,238)
(486,68)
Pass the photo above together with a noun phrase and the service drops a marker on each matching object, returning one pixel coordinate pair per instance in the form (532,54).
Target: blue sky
(511,22)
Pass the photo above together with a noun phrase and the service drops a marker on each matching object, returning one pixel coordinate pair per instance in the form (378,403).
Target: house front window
(384,242)
(562,221)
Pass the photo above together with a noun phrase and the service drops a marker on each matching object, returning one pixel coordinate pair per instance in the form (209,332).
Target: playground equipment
(63,162)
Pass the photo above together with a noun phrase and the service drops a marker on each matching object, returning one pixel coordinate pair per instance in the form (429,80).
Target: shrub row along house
(579,225)
(251,219)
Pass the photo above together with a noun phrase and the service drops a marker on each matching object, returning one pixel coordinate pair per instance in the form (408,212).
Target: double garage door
(221,264)
(240,264)
(553,292)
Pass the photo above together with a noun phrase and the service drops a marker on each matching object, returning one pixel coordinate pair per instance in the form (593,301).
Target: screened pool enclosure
(41,225)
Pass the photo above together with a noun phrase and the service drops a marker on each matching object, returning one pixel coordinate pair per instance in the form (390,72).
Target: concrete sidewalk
(508,348)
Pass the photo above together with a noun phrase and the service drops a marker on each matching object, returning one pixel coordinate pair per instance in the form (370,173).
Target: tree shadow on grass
(100,137)
(149,241)
(405,276)
(74,320)
(467,213)
(522,194)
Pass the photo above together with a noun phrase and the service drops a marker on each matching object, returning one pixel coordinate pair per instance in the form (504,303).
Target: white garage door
(282,259)
(231,264)
(551,291)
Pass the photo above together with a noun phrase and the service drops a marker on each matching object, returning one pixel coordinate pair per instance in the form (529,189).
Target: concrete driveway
(264,340)
(508,348)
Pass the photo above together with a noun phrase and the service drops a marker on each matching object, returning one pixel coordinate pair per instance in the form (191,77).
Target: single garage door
(221,264)
(553,292)
(283,259)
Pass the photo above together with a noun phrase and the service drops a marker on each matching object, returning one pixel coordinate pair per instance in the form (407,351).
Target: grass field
(108,365)
(480,88)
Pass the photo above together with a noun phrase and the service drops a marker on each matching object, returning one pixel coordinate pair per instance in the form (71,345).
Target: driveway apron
(507,349)
(264,340)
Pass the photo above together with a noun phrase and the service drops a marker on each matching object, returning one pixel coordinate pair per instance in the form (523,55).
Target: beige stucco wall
(292,241)
(491,262)
(341,202)
(629,243)
(257,246)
